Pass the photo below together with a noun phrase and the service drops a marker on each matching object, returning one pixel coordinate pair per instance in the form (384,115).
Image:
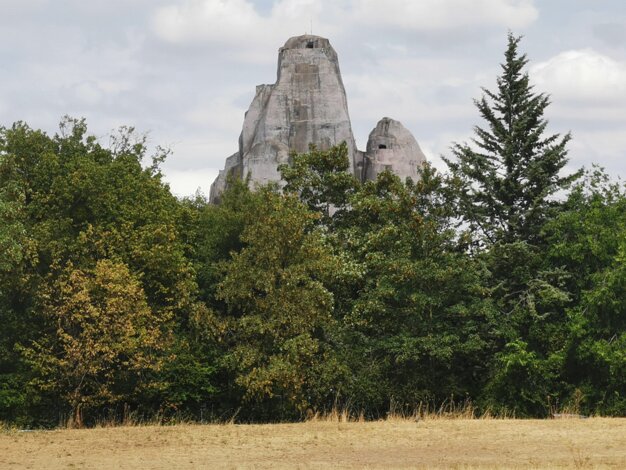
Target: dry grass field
(395,443)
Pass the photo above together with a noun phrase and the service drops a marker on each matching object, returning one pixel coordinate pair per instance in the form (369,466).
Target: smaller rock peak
(391,146)
(307,41)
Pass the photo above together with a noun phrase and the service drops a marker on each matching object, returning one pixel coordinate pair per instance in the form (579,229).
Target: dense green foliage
(97,290)
(502,282)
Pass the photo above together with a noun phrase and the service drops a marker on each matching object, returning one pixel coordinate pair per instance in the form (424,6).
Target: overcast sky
(185,71)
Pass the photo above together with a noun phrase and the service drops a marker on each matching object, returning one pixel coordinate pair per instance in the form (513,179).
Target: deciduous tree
(103,338)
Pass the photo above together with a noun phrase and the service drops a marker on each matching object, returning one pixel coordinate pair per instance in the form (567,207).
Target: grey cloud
(612,34)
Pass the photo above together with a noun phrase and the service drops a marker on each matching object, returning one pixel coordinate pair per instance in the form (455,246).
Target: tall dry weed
(402,413)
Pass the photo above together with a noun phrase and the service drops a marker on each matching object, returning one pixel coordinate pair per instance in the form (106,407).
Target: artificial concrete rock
(308,105)
(392,147)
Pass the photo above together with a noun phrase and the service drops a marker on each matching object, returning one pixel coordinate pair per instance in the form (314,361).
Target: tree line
(501,281)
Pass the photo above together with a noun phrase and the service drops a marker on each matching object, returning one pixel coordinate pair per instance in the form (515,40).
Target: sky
(184,71)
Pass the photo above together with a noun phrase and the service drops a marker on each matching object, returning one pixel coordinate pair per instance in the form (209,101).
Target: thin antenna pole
(311,26)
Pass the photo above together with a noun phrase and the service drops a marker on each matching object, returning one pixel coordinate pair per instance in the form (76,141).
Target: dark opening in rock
(310,45)
(382,146)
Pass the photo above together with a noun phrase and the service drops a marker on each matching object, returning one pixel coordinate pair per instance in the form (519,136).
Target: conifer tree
(510,173)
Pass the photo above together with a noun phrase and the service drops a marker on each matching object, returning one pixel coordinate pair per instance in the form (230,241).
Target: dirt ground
(569,443)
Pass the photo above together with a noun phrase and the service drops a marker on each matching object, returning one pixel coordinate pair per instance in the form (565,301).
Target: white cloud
(208,152)
(582,76)
(11,9)
(372,97)
(218,114)
(420,92)
(213,20)
(445,15)
(606,147)
(588,94)
(186,182)
(237,27)
(236,23)
(88,92)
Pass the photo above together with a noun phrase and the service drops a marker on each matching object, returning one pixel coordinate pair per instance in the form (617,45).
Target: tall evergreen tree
(513,169)
(507,181)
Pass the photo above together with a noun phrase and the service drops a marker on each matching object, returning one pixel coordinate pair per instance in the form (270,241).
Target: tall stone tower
(308,104)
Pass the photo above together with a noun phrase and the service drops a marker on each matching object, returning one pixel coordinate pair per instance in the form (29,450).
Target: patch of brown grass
(332,441)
